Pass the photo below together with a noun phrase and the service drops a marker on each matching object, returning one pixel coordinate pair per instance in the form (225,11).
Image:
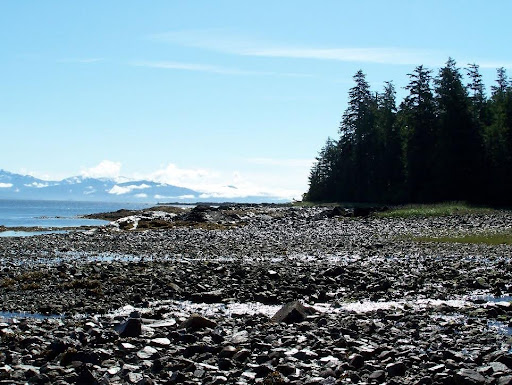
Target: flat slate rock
(292,312)
(132,327)
(196,321)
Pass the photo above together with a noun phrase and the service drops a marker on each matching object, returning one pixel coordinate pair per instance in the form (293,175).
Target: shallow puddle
(21,315)
(182,309)
(12,233)
(501,298)
(500,327)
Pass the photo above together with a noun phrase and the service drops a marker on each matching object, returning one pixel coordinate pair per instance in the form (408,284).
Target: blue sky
(207,94)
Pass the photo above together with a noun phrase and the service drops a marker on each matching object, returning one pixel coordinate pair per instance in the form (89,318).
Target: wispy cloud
(492,64)
(220,41)
(282,162)
(81,60)
(173,65)
(388,55)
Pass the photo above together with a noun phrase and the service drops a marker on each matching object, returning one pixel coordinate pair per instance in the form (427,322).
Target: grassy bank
(433,210)
(504,238)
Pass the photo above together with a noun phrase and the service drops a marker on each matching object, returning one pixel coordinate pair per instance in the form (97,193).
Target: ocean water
(45,214)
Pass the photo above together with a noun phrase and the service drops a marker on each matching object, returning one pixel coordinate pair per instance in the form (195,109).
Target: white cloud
(492,64)
(105,169)
(384,55)
(120,190)
(262,180)
(262,177)
(5,185)
(282,162)
(172,65)
(223,41)
(141,195)
(183,177)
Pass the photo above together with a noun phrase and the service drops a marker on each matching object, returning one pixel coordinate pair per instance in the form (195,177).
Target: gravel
(272,295)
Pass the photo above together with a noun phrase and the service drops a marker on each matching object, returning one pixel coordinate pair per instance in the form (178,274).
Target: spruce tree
(458,140)
(389,168)
(322,175)
(498,141)
(358,139)
(418,121)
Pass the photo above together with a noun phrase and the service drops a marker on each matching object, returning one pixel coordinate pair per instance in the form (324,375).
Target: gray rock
(396,369)
(292,312)
(356,361)
(227,351)
(196,321)
(132,327)
(378,375)
(504,380)
(499,367)
(468,377)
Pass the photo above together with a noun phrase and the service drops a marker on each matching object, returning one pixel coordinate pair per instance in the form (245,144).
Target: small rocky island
(258,294)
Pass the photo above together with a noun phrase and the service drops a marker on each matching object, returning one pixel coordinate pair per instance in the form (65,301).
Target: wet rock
(498,367)
(214,296)
(468,377)
(161,341)
(132,327)
(356,361)
(504,380)
(292,312)
(198,214)
(396,369)
(242,355)
(224,363)
(196,321)
(85,377)
(378,375)
(227,351)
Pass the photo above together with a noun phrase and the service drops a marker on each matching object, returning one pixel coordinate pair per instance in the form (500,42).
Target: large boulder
(198,214)
(292,312)
(196,321)
(132,327)
(469,377)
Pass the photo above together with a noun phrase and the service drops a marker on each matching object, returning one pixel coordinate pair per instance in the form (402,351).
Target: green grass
(487,239)
(433,210)
(314,204)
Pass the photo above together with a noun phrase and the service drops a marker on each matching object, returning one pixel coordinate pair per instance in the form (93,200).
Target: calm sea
(20,213)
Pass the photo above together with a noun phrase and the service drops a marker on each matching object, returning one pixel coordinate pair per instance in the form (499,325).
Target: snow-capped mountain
(16,186)
(78,188)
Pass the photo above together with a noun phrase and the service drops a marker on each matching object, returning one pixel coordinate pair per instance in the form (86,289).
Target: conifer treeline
(446,141)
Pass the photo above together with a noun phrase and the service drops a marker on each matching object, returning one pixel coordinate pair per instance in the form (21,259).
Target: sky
(210,94)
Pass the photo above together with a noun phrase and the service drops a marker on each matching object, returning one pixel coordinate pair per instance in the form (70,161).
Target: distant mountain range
(16,186)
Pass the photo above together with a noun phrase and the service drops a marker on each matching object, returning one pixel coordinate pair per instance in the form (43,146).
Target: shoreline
(382,307)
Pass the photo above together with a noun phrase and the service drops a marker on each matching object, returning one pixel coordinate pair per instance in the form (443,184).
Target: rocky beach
(258,294)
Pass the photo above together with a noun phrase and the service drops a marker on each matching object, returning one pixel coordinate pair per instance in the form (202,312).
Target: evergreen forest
(446,141)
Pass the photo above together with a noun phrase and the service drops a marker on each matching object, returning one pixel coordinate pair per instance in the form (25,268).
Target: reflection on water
(20,213)
(500,327)
(492,298)
(13,315)
(10,233)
